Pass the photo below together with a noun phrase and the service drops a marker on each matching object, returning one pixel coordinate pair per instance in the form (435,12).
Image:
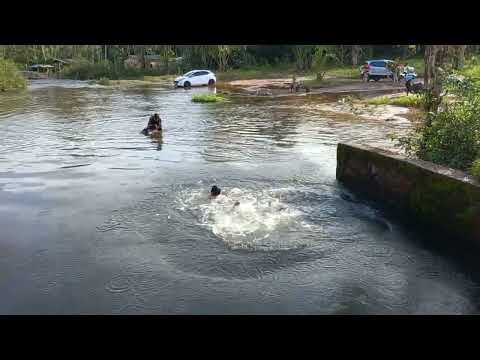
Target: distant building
(61,63)
(153,62)
(41,68)
(38,71)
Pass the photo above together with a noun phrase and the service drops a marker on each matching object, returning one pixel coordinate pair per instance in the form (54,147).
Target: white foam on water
(261,221)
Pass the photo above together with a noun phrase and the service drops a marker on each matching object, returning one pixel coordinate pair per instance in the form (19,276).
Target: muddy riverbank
(332,86)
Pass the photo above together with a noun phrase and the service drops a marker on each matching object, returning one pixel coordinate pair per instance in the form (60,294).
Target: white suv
(196,78)
(375,70)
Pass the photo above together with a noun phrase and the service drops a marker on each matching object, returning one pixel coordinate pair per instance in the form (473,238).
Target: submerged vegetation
(10,76)
(207,98)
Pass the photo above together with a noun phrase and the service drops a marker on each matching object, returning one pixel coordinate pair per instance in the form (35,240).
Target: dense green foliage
(475,169)
(10,76)
(95,61)
(84,70)
(451,135)
(322,60)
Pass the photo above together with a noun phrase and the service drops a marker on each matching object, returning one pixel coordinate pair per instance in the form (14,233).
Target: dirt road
(281,86)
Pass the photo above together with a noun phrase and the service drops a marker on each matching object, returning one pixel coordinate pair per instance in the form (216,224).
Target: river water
(96,218)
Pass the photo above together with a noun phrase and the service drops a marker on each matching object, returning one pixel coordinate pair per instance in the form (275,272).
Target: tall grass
(10,76)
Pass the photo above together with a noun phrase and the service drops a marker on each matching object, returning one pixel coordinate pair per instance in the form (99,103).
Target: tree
(437,60)
(355,52)
(223,54)
(323,60)
(140,51)
(459,56)
(303,56)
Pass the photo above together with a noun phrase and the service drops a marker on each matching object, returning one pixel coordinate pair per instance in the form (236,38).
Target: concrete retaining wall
(436,196)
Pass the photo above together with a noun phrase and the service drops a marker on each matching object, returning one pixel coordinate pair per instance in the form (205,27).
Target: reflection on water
(98,218)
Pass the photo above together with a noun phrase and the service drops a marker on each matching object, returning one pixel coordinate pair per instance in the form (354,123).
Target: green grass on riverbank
(10,76)
(283,71)
(207,98)
(415,101)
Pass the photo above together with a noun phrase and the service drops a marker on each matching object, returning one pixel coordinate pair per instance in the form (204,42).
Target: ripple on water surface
(298,242)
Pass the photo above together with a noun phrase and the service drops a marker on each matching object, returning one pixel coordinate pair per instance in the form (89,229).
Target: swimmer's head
(215,191)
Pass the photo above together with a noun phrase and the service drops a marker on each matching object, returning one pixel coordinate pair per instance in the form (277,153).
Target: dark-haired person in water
(216,191)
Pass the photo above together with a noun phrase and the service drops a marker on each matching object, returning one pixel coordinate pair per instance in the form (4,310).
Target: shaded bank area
(433,195)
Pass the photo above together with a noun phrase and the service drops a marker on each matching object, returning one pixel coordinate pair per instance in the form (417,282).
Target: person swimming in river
(154,124)
(216,191)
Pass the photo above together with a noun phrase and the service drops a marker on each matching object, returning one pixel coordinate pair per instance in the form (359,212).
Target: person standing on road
(391,66)
(293,86)
(365,72)
(398,71)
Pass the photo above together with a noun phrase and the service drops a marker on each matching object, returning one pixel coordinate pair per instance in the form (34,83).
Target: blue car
(375,70)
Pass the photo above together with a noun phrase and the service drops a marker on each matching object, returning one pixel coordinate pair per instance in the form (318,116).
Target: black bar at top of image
(243,23)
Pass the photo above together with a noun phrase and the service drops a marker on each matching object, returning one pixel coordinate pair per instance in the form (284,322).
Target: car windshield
(378,63)
(189,73)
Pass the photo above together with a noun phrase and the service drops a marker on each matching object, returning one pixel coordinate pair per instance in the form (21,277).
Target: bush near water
(10,76)
(450,136)
(207,98)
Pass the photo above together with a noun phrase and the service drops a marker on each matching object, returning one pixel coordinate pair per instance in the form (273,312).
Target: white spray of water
(260,220)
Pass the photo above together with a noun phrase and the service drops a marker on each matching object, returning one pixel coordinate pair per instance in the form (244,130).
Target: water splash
(259,221)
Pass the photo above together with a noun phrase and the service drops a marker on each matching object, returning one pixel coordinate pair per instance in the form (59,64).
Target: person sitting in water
(154,124)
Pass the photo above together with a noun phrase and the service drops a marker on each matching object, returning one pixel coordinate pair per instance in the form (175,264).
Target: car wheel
(211,82)
(187,84)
